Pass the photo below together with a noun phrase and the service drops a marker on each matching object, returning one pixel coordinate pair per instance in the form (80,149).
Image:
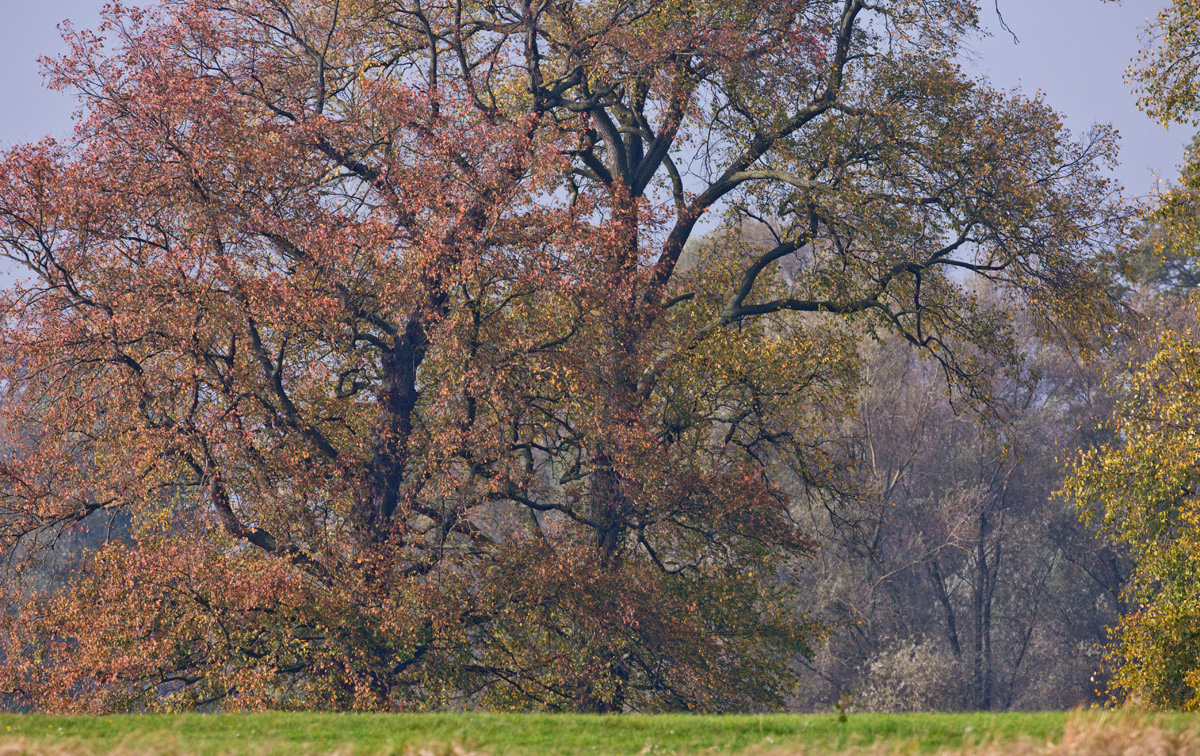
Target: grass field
(674,735)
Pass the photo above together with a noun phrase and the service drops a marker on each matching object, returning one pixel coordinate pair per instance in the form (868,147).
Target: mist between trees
(368,357)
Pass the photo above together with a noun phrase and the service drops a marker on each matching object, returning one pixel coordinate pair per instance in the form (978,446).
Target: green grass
(518,734)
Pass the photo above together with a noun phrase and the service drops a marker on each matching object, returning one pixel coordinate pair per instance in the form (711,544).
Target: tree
(1140,486)
(370,317)
(1164,252)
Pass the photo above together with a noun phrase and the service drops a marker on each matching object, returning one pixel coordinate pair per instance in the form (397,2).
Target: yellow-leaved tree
(1144,486)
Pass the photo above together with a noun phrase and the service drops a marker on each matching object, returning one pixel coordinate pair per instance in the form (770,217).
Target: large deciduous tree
(373,320)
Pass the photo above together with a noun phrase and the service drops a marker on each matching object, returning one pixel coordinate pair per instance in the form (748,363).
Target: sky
(1074,51)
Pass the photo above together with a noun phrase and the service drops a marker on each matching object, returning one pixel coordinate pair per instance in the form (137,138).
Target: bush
(913,675)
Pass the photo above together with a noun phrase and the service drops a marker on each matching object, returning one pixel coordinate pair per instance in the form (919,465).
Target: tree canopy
(384,331)
(1141,487)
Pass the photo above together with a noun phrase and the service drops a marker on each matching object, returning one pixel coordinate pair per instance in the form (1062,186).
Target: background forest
(956,574)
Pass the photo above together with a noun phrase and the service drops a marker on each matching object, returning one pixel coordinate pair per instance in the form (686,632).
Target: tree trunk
(982,642)
(939,587)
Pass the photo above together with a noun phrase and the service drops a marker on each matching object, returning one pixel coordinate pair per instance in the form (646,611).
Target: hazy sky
(1075,51)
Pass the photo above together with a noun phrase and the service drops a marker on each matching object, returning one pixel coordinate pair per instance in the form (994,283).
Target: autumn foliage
(375,338)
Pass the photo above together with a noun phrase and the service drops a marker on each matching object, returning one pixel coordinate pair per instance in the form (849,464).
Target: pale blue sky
(1075,51)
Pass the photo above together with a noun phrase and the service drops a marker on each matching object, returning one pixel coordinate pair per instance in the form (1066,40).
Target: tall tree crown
(374,319)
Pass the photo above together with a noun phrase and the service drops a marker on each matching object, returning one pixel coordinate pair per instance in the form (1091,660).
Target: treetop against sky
(1076,51)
